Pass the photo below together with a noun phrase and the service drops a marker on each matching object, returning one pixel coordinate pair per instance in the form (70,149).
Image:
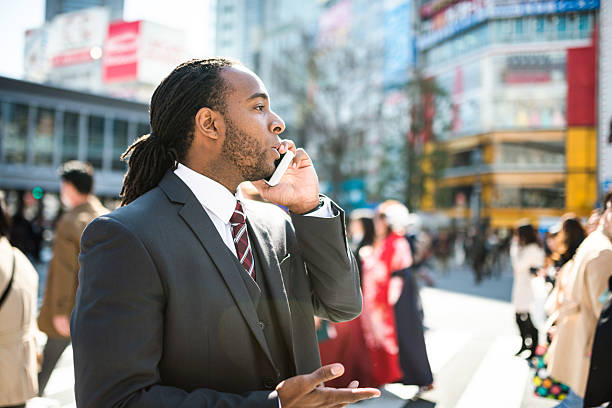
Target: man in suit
(76,193)
(191,297)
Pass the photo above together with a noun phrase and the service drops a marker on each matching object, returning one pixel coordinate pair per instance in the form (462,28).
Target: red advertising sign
(121,51)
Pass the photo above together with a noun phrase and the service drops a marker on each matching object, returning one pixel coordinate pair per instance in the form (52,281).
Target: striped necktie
(241,240)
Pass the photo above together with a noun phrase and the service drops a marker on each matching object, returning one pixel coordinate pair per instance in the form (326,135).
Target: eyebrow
(258,95)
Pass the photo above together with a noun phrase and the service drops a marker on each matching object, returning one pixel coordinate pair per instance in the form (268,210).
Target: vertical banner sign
(121,52)
(604,117)
(399,42)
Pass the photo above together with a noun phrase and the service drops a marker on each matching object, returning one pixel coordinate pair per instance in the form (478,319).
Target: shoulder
(140,215)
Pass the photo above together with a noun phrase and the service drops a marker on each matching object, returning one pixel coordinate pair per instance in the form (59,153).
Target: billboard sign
(77,37)
(399,51)
(465,15)
(141,51)
(120,61)
(35,58)
(335,24)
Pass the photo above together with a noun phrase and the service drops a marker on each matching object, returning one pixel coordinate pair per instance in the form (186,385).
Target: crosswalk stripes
(499,380)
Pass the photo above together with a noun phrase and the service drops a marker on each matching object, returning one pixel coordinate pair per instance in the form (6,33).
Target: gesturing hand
(306,390)
(298,190)
(61,323)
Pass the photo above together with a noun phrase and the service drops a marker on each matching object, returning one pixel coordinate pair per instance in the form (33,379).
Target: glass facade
(43,136)
(528,197)
(531,153)
(141,130)
(512,31)
(70,137)
(16,130)
(531,90)
(95,141)
(120,143)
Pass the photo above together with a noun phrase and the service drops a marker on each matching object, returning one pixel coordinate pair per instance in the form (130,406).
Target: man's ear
(207,122)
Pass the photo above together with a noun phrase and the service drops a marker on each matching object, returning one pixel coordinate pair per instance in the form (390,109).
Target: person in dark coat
(599,384)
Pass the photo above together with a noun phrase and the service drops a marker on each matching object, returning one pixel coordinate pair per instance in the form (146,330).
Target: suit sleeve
(64,268)
(332,269)
(117,329)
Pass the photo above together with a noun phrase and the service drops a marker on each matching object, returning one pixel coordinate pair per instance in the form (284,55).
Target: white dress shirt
(219,203)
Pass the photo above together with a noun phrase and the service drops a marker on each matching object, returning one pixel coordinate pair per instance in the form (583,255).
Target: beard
(246,153)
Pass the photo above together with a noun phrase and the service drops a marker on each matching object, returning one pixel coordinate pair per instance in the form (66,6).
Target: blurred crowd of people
(24,372)
(386,343)
(571,268)
(561,293)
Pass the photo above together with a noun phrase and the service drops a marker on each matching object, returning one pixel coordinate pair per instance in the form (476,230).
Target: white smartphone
(282,164)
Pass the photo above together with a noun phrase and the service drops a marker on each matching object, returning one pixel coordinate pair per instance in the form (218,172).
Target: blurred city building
(521,78)
(43,126)
(91,50)
(56,7)
(519,129)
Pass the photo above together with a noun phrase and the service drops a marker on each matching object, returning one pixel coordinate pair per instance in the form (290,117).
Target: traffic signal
(38,193)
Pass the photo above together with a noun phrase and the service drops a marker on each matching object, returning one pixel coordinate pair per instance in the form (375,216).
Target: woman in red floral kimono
(381,290)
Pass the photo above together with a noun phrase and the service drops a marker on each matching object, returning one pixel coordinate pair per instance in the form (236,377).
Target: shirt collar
(212,195)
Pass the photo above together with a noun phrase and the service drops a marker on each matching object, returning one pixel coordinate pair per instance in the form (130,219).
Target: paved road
(471,340)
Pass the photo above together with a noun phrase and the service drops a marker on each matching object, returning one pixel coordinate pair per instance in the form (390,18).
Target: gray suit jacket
(163,317)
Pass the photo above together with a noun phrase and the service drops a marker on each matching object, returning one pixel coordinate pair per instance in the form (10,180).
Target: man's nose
(277,126)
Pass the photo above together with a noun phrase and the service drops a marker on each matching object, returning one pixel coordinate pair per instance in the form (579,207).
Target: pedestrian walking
(190,297)
(76,193)
(390,253)
(527,257)
(18,295)
(442,247)
(572,343)
(347,344)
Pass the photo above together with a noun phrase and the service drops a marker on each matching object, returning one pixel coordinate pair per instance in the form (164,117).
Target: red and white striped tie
(241,240)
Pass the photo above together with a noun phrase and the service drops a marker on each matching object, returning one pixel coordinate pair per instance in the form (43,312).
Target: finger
(301,159)
(325,373)
(339,396)
(285,145)
(261,186)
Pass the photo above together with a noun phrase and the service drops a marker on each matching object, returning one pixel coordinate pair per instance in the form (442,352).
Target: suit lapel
(198,221)
(271,269)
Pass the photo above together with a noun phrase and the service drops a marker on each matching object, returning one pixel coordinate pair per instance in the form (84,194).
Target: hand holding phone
(281,164)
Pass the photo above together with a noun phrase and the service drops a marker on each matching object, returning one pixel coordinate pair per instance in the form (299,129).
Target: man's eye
(259,107)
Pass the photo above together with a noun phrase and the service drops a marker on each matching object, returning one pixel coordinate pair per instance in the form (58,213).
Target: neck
(80,200)
(217,173)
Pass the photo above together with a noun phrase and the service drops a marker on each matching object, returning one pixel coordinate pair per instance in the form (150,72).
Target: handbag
(10,283)
(544,385)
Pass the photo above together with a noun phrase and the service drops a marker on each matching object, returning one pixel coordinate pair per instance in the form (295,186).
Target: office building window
(95,141)
(43,136)
(528,197)
(70,137)
(531,154)
(120,143)
(142,129)
(16,133)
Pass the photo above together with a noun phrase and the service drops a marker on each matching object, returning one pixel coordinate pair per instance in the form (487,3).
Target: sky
(17,16)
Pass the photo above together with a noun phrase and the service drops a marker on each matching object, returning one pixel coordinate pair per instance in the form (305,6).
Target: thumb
(325,373)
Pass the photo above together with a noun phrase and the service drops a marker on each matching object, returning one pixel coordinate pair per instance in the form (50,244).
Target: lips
(275,147)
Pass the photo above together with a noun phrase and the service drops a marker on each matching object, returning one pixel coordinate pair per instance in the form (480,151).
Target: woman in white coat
(527,257)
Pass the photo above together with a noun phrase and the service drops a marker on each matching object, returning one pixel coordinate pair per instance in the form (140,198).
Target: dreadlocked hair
(189,87)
